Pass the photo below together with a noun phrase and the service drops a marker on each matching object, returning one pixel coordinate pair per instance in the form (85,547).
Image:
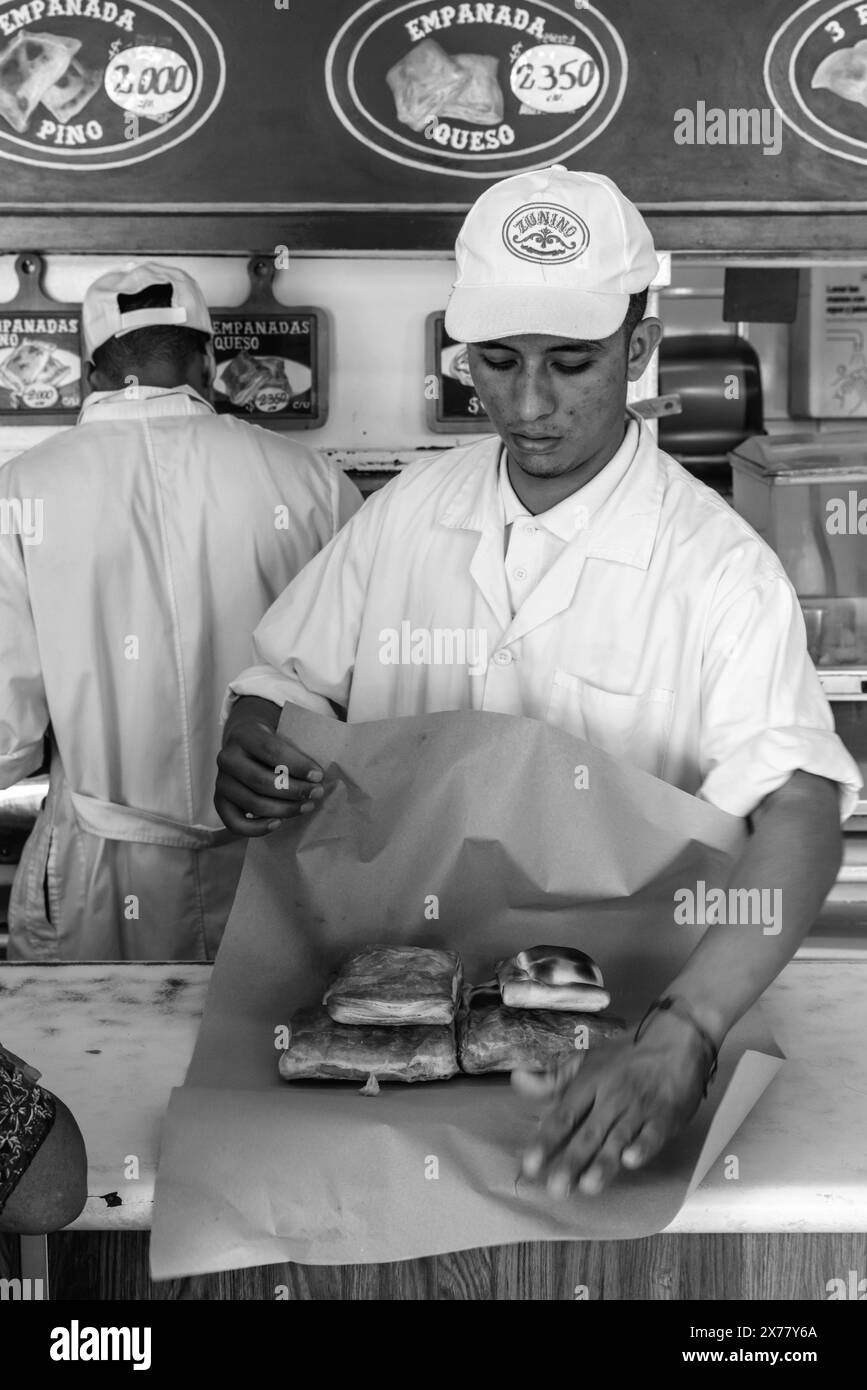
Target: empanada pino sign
(98,84)
(476,90)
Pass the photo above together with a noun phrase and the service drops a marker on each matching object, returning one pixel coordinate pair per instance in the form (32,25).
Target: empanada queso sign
(816,74)
(476,90)
(98,84)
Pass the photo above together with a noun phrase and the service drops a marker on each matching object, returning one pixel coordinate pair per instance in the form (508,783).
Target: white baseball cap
(551,251)
(102,319)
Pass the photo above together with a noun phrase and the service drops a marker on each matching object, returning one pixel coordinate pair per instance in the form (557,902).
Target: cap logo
(545,233)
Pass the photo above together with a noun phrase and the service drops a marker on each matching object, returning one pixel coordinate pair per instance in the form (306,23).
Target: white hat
(102,319)
(552,251)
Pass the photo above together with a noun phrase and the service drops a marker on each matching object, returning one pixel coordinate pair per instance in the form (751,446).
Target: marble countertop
(113,1040)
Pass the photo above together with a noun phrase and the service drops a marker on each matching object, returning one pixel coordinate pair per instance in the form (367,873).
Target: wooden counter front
(113,1040)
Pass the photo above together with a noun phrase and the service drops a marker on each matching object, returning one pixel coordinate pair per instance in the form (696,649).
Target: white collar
(575,512)
(132,402)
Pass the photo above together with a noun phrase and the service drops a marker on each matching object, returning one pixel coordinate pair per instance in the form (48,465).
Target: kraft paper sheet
(480,812)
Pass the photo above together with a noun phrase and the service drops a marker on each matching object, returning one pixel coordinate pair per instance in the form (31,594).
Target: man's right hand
(263,779)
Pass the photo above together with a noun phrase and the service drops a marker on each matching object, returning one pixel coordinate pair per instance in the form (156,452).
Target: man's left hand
(616,1108)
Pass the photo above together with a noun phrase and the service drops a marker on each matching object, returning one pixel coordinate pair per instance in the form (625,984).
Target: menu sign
(96,84)
(40,366)
(479,90)
(271,358)
(816,75)
(268,367)
(373,124)
(40,354)
(451,403)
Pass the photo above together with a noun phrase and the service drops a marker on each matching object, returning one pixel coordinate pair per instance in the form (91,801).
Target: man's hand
(616,1108)
(263,779)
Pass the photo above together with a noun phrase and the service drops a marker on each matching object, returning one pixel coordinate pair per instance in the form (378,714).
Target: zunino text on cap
(552,251)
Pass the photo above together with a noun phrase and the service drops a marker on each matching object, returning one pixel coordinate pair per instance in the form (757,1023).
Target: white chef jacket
(167,531)
(657,625)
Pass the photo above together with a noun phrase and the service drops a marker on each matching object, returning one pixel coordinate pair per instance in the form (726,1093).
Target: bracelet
(682,1010)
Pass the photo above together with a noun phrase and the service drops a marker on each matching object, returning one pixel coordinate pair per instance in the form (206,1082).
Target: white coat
(157,534)
(657,625)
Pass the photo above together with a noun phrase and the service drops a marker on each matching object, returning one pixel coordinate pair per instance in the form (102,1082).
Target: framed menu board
(216,125)
(451,403)
(40,353)
(271,358)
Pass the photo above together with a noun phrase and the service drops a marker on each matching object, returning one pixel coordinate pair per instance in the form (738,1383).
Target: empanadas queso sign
(97,84)
(476,90)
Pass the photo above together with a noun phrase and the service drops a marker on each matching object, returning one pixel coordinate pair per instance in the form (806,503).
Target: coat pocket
(32,929)
(634,727)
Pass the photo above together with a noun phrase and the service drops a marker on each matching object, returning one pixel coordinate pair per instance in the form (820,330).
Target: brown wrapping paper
(481,833)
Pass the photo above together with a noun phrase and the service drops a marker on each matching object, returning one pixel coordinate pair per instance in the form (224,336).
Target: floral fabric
(26,1117)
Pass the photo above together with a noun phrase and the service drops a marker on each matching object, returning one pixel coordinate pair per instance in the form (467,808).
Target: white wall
(378,309)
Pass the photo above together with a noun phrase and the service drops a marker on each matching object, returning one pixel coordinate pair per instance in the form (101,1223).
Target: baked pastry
(29,66)
(398,986)
(322,1050)
(552,977)
(492,1037)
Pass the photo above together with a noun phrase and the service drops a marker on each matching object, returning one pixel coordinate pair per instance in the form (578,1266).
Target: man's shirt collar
(136,402)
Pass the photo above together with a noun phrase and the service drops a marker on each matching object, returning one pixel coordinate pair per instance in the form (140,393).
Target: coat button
(503,657)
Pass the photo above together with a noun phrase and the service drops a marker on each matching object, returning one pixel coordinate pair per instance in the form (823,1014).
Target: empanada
(396,985)
(494,1038)
(322,1050)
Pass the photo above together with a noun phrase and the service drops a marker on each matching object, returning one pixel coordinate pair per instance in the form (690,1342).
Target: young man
(165,532)
(617,598)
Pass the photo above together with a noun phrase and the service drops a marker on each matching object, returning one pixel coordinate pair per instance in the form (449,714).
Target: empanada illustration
(71,93)
(458,366)
(844,72)
(480,99)
(28,364)
(422,81)
(428,82)
(276,369)
(29,65)
(243,377)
